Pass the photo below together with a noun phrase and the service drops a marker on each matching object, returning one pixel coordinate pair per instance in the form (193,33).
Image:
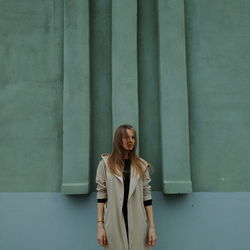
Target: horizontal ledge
(177,187)
(75,188)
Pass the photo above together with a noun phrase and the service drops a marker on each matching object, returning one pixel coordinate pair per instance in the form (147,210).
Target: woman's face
(128,142)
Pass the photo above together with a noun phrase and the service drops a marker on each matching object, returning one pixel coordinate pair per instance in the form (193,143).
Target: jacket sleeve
(101,181)
(146,186)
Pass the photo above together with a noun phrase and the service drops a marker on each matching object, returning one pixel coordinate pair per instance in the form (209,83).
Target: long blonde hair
(116,161)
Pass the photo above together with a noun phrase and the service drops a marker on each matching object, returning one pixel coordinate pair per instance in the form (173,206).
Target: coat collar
(134,177)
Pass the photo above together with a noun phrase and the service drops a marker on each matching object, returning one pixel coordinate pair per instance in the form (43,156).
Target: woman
(124,203)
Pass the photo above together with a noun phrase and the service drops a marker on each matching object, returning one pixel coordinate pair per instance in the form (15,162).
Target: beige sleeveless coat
(111,187)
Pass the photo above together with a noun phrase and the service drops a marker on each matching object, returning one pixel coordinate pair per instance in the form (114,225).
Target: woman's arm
(149,211)
(100,210)
(101,199)
(101,234)
(151,233)
(147,197)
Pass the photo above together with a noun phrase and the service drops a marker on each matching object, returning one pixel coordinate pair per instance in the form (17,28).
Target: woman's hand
(151,237)
(101,236)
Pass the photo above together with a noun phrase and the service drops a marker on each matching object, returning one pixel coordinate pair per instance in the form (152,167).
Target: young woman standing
(124,202)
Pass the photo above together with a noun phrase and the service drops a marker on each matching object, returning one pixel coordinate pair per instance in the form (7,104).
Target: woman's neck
(125,155)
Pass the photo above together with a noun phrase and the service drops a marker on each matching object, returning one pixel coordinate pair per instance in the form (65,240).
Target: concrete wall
(67,78)
(30,97)
(218,83)
(51,221)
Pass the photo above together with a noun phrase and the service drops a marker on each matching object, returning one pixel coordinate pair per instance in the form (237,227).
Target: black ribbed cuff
(101,200)
(147,203)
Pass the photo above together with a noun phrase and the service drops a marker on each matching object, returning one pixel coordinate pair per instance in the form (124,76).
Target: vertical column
(76,98)
(173,98)
(101,86)
(148,87)
(124,63)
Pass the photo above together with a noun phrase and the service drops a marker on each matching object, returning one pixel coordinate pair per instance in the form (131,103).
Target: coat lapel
(133,181)
(119,178)
(134,177)
(105,158)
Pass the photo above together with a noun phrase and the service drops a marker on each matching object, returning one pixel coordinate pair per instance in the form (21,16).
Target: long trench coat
(111,187)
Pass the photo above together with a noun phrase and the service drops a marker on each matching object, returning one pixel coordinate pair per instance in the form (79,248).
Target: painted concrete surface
(53,221)
(218,84)
(30,96)
(40,135)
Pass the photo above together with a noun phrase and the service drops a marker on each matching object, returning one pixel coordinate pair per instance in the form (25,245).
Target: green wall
(71,71)
(218,38)
(31,95)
